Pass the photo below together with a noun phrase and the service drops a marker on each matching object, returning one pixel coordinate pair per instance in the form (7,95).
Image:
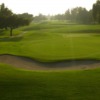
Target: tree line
(96,11)
(77,14)
(9,20)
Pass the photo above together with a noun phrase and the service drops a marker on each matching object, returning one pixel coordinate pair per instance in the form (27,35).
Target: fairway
(50,61)
(49,42)
(49,50)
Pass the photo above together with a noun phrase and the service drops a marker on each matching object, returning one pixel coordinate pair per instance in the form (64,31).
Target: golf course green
(50,42)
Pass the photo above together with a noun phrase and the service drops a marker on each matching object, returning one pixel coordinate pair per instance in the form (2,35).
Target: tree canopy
(10,20)
(77,14)
(96,11)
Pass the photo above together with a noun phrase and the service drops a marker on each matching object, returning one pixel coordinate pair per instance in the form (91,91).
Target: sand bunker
(30,64)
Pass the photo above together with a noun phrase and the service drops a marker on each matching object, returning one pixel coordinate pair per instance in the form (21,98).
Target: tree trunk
(11,29)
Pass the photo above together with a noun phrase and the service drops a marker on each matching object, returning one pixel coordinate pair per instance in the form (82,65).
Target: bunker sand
(30,64)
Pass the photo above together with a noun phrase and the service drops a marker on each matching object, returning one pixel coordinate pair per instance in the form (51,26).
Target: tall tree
(12,21)
(79,15)
(26,16)
(96,11)
(67,15)
(40,17)
(16,21)
(82,15)
(4,14)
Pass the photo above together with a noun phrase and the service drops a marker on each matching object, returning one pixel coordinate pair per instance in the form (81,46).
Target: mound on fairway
(27,63)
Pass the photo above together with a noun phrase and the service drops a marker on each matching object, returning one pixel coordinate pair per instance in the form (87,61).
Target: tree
(74,13)
(4,14)
(58,17)
(4,11)
(40,17)
(16,21)
(67,15)
(79,15)
(12,21)
(82,15)
(26,16)
(96,11)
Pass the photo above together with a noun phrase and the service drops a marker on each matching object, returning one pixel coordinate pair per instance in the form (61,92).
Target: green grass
(52,41)
(16,84)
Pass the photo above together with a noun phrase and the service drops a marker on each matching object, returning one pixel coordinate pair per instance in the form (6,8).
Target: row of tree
(96,11)
(78,14)
(9,20)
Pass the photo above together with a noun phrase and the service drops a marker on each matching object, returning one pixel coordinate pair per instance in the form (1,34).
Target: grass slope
(50,41)
(16,84)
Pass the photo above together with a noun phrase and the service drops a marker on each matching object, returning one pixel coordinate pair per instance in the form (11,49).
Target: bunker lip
(31,64)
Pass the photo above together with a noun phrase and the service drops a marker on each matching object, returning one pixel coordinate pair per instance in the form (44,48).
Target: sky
(45,7)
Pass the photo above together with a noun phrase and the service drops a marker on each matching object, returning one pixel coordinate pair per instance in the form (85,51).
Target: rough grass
(17,84)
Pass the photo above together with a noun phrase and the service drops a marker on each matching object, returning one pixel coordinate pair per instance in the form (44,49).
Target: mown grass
(17,84)
(52,41)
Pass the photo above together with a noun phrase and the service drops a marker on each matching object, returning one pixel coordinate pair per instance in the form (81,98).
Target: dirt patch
(30,64)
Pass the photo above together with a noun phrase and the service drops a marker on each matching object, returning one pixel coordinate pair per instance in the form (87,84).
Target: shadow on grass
(82,31)
(88,31)
(59,26)
(32,28)
(10,39)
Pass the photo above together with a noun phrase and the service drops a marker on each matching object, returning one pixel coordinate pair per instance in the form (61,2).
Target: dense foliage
(96,11)
(76,15)
(10,20)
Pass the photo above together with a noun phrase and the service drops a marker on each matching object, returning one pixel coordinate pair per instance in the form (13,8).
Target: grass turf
(51,41)
(17,84)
